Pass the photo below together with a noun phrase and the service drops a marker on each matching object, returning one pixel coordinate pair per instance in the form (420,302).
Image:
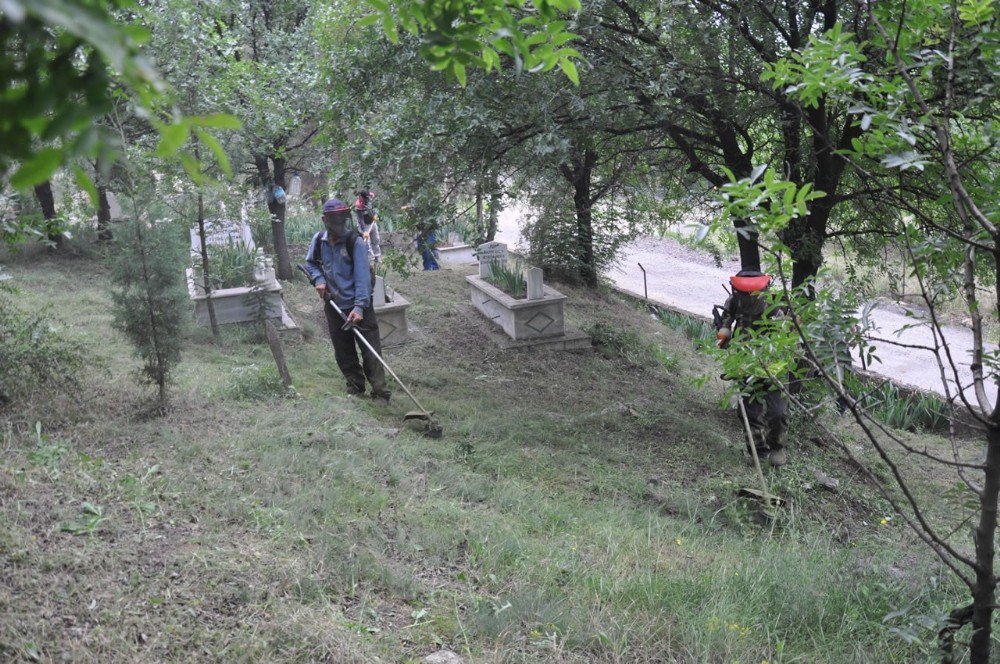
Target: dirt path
(691,281)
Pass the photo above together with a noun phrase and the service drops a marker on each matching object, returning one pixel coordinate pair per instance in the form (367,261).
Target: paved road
(691,281)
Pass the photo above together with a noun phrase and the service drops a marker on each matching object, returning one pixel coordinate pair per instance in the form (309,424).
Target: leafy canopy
(457,34)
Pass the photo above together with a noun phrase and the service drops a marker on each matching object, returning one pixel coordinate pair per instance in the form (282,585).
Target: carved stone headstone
(379,293)
(114,207)
(490,252)
(535,289)
(222,233)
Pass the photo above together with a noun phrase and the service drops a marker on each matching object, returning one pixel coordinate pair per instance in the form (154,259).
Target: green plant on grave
(232,265)
(510,279)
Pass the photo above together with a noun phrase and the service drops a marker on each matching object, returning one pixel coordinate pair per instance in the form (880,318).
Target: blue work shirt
(352,280)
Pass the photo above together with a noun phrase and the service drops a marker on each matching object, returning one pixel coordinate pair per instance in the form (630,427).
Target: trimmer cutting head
(431,428)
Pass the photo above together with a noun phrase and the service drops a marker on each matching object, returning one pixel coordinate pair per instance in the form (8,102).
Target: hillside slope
(580,507)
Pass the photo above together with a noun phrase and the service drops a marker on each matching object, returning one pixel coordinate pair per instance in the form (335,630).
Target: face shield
(336,223)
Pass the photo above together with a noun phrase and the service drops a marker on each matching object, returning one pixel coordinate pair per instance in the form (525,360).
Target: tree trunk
(47,201)
(479,206)
(276,209)
(805,238)
(206,275)
(983,592)
(746,240)
(104,233)
(494,207)
(580,174)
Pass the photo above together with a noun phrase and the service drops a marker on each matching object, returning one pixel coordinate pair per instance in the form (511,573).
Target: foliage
(149,298)
(695,329)
(232,265)
(457,35)
(554,237)
(924,135)
(65,63)
(36,358)
(508,278)
(888,404)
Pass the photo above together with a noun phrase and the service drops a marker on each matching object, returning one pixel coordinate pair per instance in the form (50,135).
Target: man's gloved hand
(321,289)
(723,336)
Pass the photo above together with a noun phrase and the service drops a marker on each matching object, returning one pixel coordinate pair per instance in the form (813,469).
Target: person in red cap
(366,219)
(337,263)
(766,408)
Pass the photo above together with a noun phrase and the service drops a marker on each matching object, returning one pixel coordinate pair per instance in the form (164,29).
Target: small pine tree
(149,296)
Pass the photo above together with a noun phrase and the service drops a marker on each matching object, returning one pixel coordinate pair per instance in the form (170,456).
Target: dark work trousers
(768,415)
(345,350)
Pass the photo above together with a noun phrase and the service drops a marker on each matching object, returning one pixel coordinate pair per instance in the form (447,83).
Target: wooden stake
(279,354)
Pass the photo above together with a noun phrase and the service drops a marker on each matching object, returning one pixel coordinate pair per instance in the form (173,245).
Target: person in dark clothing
(337,262)
(765,406)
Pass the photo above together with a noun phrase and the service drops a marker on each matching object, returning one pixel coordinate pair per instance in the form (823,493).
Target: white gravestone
(490,252)
(379,293)
(535,288)
(223,233)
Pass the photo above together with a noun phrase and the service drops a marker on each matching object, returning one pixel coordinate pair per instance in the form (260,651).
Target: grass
(580,508)
(508,278)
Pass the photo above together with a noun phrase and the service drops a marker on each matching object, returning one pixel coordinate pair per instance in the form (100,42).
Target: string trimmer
(763,495)
(431,428)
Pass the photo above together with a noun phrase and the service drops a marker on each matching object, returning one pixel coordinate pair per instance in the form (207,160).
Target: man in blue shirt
(337,262)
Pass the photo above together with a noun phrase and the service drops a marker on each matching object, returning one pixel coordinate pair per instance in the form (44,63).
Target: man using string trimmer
(337,266)
(765,410)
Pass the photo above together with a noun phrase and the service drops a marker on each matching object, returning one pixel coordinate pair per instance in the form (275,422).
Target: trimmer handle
(328,297)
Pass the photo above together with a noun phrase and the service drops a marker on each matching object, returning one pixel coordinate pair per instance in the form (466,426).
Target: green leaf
(216,148)
(389,26)
(216,121)
(371,19)
(84,181)
(193,167)
(570,70)
(37,169)
(491,59)
(172,137)
(459,70)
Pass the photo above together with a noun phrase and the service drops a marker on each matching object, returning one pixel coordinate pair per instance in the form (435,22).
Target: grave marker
(535,289)
(489,252)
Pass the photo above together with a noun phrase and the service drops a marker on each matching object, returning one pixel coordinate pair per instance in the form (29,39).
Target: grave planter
(237,305)
(521,319)
(252,302)
(455,252)
(391,315)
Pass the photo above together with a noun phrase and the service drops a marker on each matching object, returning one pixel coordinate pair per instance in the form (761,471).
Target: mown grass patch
(580,508)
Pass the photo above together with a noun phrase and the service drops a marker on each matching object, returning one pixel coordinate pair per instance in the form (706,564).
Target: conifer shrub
(149,298)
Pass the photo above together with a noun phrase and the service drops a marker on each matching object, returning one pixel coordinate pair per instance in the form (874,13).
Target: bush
(149,297)
(34,357)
